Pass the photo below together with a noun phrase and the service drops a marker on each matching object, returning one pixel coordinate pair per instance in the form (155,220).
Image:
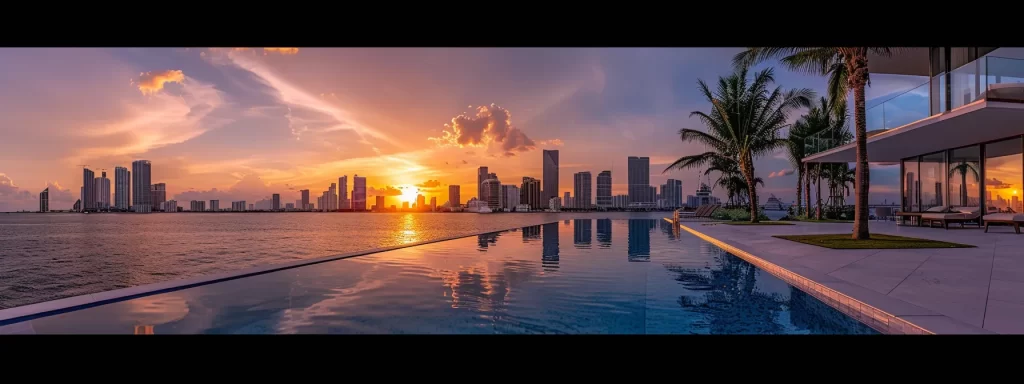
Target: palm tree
(826,119)
(730,177)
(847,69)
(744,123)
(963,169)
(839,176)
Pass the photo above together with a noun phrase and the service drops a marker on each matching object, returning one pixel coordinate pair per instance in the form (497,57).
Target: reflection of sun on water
(407,234)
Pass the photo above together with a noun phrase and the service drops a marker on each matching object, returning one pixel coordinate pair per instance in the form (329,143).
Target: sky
(243,123)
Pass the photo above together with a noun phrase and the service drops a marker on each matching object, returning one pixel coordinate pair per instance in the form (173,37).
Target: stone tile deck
(966,290)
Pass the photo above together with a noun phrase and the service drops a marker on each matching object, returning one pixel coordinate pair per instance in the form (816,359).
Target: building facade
(582,190)
(88,190)
(604,189)
(214,205)
(638,175)
(122,188)
(358,193)
(343,201)
(529,193)
(332,197)
(197,206)
(44,200)
(550,176)
(454,198)
(103,192)
(142,196)
(276,198)
(305,199)
(170,206)
(239,206)
(379,203)
(492,193)
(159,193)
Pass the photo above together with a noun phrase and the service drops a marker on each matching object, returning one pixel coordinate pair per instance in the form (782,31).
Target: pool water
(636,276)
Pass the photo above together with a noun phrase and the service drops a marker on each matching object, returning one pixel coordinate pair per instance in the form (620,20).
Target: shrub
(737,214)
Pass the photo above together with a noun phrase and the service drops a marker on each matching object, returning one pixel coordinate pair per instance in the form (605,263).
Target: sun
(409,194)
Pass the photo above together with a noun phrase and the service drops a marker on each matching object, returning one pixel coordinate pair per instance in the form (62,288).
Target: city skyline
(184,110)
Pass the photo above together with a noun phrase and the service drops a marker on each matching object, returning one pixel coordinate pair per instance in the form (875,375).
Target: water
(51,256)
(636,276)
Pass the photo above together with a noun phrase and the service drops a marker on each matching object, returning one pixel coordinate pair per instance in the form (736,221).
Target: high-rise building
(620,201)
(529,194)
(421,201)
(197,206)
(358,193)
(305,200)
(583,190)
(652,193)
(492,193)
(379,203)
(509,197)
(673,193)
(289,207)
(277,202)
(454,200)
(214,205)
(555,204)
(142,194)
(325,201)
(44,200)
(433,203)
(703,197)
(103,192)
(159,193)
(405,205)
(332,197)
(170,206)
(88,190)
(122,188)
(550,176)
(639,179)
(320,201)
(567,200)
(481,175)
(238,206)
(78,204)
(343,202)
(604,189)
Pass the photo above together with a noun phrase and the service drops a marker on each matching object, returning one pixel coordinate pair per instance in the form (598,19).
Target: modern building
(957,136)
(142,195)
(289,207)
(325,201)
(44,200)
(454,200)
(88,190)
(304,205)
(604,189)
(703,197)
(529,193)
(343,202)
(238,206)
(158,192)
(492,193)
(620,201)
(481,175)
(332,197)
(639,179)
(582,190)
(102,192)
(214,205)
(421,201)
(433,203)
(170,206)
(509,197)
(550,176)
(320,200)
(78,205)
(358,193)
(197,206)
(567,200)
(555,204)
(277,202)
(671,195)
(405,205)
(379,203)
(122,188)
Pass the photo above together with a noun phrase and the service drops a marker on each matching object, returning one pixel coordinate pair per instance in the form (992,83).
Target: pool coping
(869,315)
(30,312)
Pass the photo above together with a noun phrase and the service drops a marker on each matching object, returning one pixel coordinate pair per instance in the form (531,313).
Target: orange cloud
(152,82)
(283,51)
(552,142)
(490,124)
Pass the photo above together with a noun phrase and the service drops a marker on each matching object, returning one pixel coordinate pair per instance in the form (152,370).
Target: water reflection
(486,239)
(531,233)
(640,239)
(604,233)
(549,255)
(581,233)
(670,230)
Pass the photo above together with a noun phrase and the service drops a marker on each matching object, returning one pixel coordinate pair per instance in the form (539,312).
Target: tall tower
(102,192)
(550,178)
(343,202)
(604,189)
(454,200)
(639,179)
(481,175)
(44,200)
(582,188)
(276,205)
(88,190)
(304,205)
(159,192)
(358,193)
(122,188)
(142,196)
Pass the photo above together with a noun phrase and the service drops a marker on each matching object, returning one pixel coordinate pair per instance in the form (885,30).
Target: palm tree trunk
(799,190)
(817,207)
(807,188)
(747,165)
(858,76)
(963,188)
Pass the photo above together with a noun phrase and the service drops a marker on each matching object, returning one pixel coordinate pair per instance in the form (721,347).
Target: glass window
(910,185)
(933,181)
(965,177)
(1003,174)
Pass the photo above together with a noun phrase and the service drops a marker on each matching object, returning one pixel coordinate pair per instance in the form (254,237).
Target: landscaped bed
(877,241)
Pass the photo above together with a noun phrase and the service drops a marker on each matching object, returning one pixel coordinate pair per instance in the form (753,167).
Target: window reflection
(1003,173)
(933,181)
(910,186)
(965,176)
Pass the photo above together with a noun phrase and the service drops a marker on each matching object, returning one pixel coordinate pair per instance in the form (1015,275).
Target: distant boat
(774,204)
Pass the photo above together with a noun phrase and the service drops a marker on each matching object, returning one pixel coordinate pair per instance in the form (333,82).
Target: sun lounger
(959,215)
(1014,219)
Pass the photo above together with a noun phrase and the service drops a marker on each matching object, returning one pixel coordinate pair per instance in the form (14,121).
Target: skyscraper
(214,205)
(379,205)
(433,203)
(604,189)
(567,200)
(639,178)
(481,175)
(676,195)
(159,193)
(44,200)
(582,188)
(509,196)
(332,197)
(492,193)
(103,192)
(529,193)
(550,176)
(343,202)
(142,196)
(305,199)
(454,200)
(88,190)
(421,202)
(358,193)
(277,202)
(122,182)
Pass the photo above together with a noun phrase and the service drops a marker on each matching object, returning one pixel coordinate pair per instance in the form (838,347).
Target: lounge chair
(1014,219)
(958,215)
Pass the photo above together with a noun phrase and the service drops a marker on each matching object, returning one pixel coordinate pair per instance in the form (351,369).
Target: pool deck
(941,291)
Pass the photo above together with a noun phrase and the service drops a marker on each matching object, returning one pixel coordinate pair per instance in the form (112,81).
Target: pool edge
(29,312)
(866,314)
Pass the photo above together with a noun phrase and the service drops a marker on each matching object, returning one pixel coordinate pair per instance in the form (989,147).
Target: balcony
(989,78)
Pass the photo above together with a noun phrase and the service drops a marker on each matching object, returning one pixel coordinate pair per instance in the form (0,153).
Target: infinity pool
(603,276)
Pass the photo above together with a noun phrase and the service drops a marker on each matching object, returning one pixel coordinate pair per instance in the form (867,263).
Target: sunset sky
(243,123)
